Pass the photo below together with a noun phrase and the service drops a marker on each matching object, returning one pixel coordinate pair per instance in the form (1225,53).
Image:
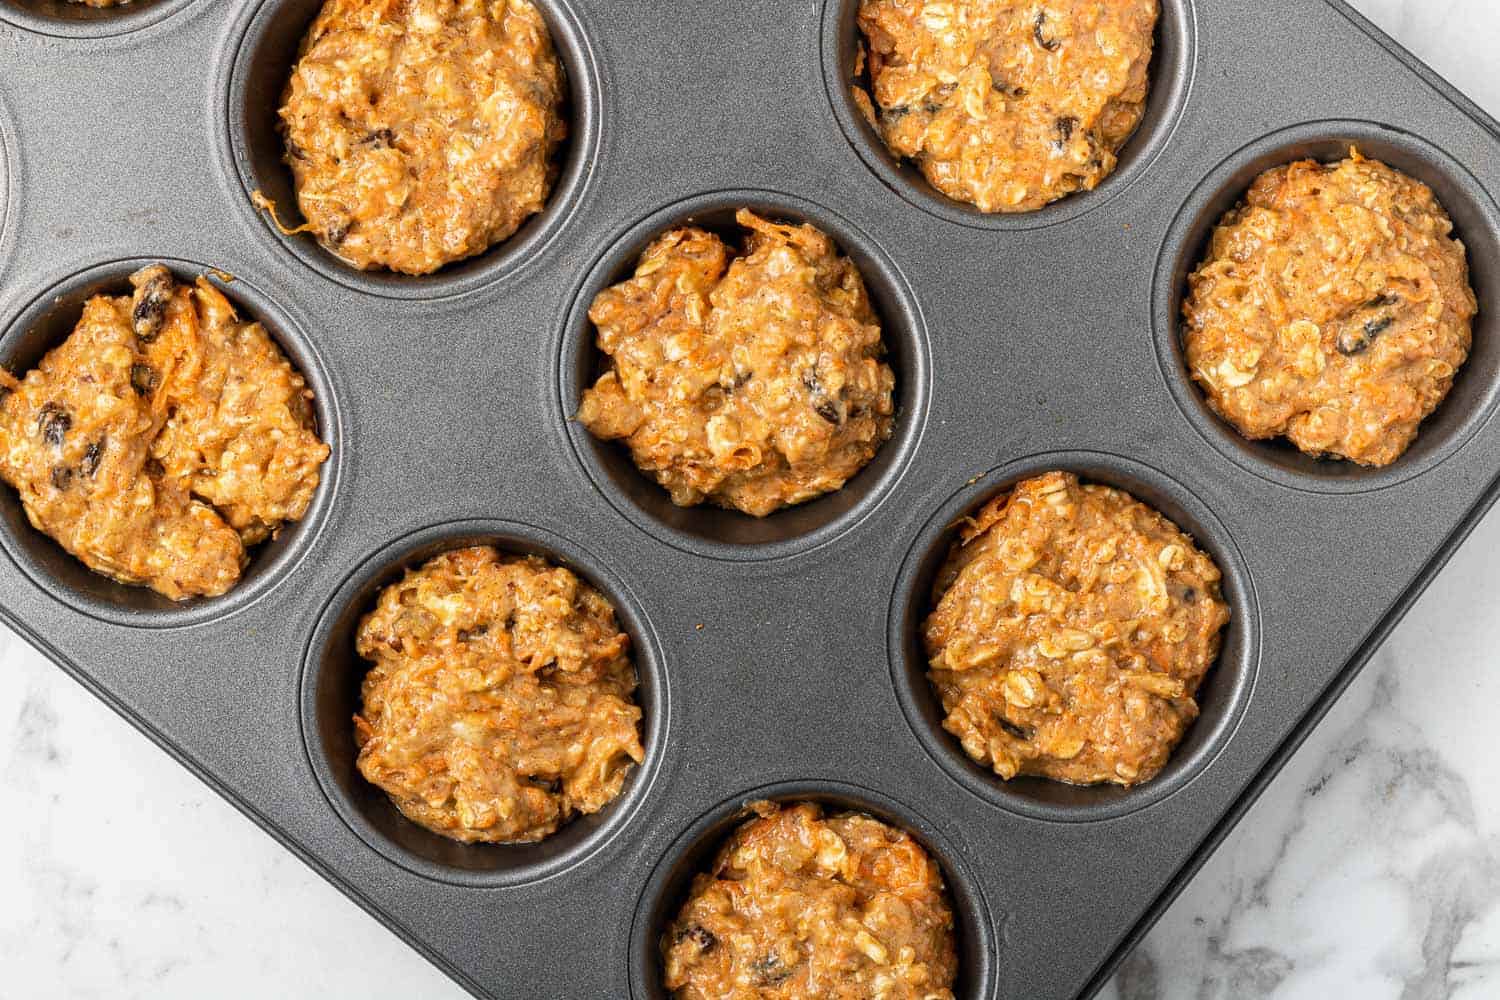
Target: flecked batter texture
(421,132)
(803,906)
(1008,105)
(501,700)
(1333,307)
(1072,628)
(754,381)
(162,438)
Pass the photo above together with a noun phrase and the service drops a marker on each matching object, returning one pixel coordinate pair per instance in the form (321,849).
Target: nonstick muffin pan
(778,658)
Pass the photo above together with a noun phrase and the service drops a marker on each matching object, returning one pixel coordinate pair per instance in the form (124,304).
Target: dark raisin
(465,634)
(380,138)
(1189,595)
(62,477)
(699,935)
(1039,32)
(1019,732)
(337,234)
(1352,342)
(768,971)
(151,301)
(1065,129)
(553,785)
(91,456)
(822,404)
(53,424)
(142,378)
(1002,87)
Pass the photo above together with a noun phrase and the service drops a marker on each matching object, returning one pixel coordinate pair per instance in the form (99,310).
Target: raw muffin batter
(1073,625)
(162,438)
(751,381)
(1008,105)
(803,905)
(421,132)
(1333,307)
(501,700)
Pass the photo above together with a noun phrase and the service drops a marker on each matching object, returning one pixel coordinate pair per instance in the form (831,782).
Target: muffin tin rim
(643,952)
(282,324)
(648,657)
(1239,591)
(1166,322)
(502,262)
(915,190)
(914,383)
(111,24)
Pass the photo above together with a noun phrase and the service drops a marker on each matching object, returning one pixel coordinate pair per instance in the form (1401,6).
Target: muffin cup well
(268,42)
(1222,696)
(707,529)
(1476,223)
(693,851)
(1173,63)
(75,20)
(333,672)
(46,323)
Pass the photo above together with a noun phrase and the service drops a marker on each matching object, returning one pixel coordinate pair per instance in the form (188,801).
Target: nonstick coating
(777,658)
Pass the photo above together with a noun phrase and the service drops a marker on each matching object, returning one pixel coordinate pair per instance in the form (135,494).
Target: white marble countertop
(1371,868)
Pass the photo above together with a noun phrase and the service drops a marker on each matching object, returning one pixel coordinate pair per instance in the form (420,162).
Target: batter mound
(755,381)
(162,438)
(1008,105)
(1333,307)
(501,700)
(803,905)
(422,132)
(1072,628)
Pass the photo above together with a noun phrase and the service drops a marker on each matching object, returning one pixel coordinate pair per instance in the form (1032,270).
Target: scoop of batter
(754,382)
(501,700)
(1072,628)
(162,438)
(802,905)
(1008,105)
(422,132)
(1333,307)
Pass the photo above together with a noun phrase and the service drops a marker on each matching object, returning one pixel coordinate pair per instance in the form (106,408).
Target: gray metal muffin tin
(778,657)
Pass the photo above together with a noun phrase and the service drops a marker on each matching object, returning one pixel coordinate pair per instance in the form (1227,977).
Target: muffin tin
(778,658)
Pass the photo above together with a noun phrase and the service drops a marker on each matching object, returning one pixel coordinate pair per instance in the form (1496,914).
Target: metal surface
(776,656)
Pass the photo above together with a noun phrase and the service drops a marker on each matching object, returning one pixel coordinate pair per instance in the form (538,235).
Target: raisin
(1351,343)
(62,477)
(768,971)
(142,378)
(91,456)
(1019,732)
(465,634)
(1039,32)
(53,424)
(699,935)
(380,138)
(553,785)
(151,301)
(336,235)
(822,404)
